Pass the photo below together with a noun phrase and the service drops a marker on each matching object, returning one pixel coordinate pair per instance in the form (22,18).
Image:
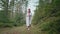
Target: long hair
(29,11)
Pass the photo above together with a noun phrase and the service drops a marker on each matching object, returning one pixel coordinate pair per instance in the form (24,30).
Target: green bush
(47,16)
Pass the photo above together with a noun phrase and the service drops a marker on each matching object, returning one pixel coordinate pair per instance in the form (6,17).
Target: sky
(32,5)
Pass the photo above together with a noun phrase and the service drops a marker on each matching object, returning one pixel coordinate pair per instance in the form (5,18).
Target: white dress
(28,19)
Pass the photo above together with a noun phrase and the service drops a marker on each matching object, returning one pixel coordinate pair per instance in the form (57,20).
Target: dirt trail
(19,30)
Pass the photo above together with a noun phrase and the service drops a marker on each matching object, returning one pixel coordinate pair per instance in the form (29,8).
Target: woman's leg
(28,27)
(28,23)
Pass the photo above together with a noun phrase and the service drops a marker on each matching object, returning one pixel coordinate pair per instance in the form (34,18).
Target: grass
(20,30)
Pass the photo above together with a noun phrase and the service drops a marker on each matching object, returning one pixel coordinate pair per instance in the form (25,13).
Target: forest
(46,18)
(11,12)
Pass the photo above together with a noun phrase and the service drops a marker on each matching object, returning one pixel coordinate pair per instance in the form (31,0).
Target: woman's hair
(29,11)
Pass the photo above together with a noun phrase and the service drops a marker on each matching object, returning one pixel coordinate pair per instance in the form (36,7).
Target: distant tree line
(11,12)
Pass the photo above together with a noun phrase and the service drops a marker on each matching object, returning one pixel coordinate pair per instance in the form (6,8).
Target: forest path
(20,30)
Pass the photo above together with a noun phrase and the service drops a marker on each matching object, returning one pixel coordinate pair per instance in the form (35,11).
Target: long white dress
(28,19)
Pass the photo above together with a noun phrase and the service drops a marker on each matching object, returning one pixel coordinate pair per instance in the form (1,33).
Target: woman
(28,19)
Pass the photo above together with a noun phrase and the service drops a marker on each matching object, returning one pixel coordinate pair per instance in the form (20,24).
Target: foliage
(47,16)
(10,15)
